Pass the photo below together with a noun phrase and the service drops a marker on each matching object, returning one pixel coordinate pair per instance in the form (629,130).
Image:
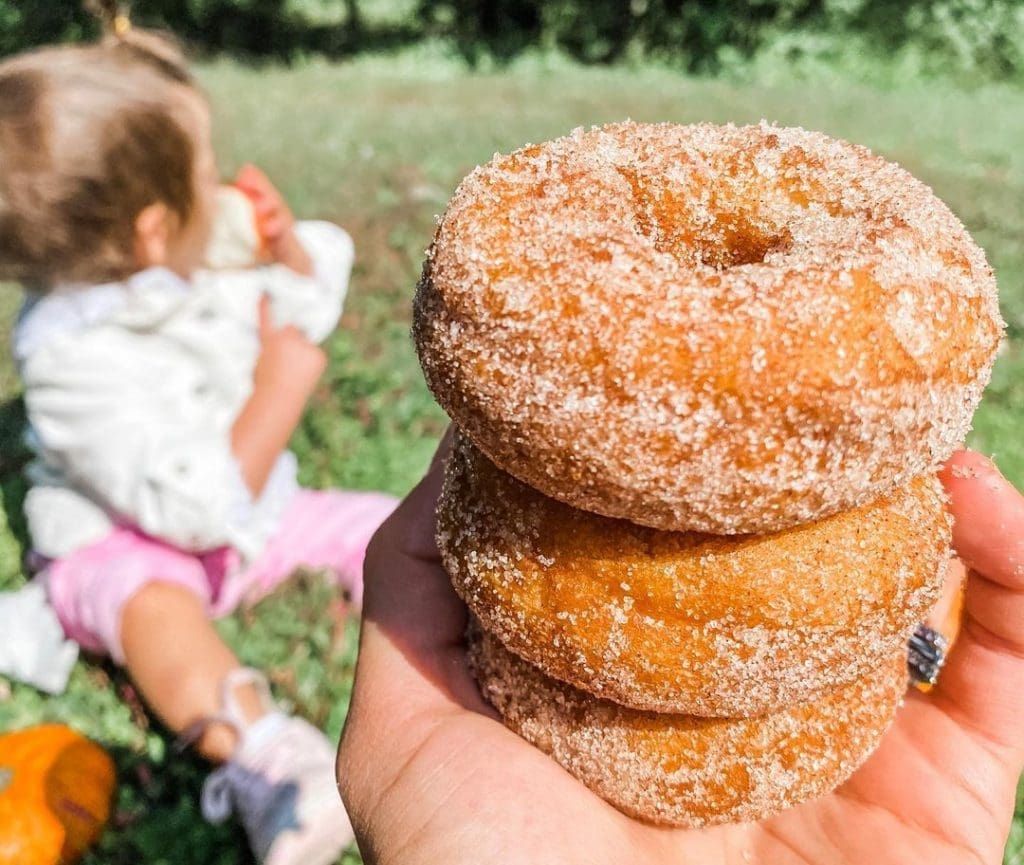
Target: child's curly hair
(90,136)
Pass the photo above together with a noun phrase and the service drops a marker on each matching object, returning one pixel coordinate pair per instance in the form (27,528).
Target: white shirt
(132,389)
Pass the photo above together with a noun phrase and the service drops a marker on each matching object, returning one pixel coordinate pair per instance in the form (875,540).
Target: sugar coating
(684,771)
(962,472)
(687,623)
(710,328)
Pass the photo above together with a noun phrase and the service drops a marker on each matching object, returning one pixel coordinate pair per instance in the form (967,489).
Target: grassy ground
(378,145)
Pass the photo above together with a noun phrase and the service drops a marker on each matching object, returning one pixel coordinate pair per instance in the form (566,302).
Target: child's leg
(278,775)
(148,606)
(179,663)
(323,529)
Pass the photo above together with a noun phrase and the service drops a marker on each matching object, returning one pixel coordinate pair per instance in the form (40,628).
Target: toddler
(161,396)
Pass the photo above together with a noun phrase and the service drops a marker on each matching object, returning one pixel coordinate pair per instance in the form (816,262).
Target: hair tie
(122,24)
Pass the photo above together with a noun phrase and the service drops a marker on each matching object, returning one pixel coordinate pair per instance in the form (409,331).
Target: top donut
(706,328)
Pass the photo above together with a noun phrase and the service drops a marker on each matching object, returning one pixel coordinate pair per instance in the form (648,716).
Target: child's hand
(286,373)
(287,359)
(275,220)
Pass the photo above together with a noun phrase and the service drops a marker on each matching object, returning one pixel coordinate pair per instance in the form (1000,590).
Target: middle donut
(688,623)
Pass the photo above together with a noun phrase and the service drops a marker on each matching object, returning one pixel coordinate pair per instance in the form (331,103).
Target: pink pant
(321,529)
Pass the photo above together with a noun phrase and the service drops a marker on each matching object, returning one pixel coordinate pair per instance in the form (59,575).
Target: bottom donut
(685,771)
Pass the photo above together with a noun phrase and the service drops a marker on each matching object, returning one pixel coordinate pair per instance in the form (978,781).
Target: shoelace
(230,790)
(216,801)
(261,792)
(218,796)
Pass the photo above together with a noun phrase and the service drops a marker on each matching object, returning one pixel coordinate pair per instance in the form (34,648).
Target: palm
(932,792)
(430,776)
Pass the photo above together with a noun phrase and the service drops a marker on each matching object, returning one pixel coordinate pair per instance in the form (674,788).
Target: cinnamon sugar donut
(706,328)
(684,771)
(685,623)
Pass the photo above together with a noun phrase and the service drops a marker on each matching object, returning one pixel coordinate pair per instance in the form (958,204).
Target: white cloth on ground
(33,649)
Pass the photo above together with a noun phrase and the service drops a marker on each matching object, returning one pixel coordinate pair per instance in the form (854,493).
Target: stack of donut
(702,378)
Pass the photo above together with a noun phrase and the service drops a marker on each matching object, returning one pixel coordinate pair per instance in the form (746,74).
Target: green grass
(378,145)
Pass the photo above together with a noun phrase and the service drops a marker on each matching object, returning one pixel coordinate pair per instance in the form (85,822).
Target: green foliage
(268,28)
(977,38)
(25,23)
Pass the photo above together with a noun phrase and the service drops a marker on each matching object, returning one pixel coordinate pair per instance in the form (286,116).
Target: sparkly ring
(928,650)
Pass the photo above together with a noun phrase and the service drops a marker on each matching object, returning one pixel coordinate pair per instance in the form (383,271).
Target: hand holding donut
(454,785)
(275,220)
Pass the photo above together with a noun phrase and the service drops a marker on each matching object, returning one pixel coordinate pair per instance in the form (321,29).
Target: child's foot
(281,784)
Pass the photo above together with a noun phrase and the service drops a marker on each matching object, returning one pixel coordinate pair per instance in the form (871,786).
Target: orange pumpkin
(55,794)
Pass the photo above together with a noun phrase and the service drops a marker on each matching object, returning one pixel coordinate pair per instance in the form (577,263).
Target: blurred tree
(499,28)
(600,31)
(24,23)
(353,18)
(247,27)
(985,36)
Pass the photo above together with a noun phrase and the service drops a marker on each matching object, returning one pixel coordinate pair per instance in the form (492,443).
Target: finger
(265,196)
(246,172)
(411,678)
(403,562)
(414,623)
(983,681)
(266,207)
(420,539)
(254,193)
(988,514)
(292,332)
(944,617)
(273,227)
(270,224)
(252,178)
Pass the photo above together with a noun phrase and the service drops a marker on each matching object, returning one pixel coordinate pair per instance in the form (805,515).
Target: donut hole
(701,232)
(738,241)
(720,241)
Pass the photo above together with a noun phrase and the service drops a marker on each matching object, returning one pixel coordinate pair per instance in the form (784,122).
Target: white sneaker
(280,782)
